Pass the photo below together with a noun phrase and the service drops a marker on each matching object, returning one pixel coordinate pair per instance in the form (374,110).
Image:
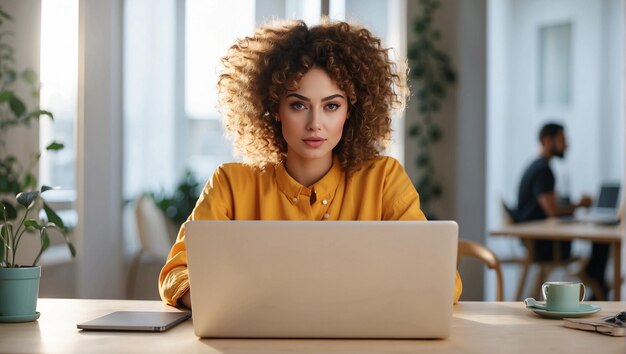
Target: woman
(310,110)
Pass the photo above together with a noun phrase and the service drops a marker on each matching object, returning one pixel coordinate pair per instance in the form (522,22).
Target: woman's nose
(314,122)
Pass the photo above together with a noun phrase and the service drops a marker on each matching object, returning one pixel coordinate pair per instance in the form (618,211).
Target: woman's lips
(314,142)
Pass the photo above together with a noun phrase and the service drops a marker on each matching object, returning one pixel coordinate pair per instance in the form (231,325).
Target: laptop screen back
(609,195)
(311,279)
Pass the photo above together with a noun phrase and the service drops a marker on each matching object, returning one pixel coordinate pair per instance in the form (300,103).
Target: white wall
(594,113)
(594,121)
(471,135)
(613,90)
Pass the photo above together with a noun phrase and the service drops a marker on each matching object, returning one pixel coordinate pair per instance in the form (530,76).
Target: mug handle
(582,288)
(544,290)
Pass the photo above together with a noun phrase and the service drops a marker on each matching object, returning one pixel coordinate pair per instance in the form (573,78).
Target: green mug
(563,296)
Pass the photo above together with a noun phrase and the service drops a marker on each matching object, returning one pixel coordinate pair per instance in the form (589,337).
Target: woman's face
(312,117)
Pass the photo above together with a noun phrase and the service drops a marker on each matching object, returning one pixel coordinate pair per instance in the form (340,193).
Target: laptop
(605,208)
(312,279)
(144,321)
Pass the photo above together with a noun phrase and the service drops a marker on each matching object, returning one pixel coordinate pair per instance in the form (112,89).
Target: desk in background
(557,230)
(477,327)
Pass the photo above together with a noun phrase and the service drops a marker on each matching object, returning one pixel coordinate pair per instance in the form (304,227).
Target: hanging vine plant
(431,76)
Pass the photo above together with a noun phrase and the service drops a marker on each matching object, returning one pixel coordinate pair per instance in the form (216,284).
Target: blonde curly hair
(258,70)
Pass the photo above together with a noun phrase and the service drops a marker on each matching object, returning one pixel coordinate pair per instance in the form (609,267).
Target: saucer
(22,318)
(583,310)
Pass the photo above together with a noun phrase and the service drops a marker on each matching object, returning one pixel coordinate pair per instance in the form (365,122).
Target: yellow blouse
(379,191)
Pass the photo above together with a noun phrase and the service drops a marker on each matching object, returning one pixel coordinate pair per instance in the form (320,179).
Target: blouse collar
(324,188)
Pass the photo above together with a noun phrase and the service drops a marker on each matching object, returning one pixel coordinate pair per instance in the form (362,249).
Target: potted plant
(21,203)
(19,284)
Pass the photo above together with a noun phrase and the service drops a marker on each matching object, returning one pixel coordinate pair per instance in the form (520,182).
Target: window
(171,122)
(210,28)
(555,65)
(59,78)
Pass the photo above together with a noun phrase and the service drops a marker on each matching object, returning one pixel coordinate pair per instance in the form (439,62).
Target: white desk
(478,327)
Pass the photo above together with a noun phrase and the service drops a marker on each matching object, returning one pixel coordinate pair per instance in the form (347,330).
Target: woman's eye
(298,106)
(332,107)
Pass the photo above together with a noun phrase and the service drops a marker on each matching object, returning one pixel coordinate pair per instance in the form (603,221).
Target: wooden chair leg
(537,284)
(593,284)
(542,276)
(522,281)
(530,254)
(500,285)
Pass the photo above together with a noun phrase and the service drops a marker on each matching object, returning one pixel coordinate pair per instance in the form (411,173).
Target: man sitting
(538,200)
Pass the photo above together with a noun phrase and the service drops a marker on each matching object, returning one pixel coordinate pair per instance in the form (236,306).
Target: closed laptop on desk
(311,279)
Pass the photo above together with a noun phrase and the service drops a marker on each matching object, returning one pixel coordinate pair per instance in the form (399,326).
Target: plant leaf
(8,57)
(5,243)
(4,233)
(436,190)
(33,224)
(71,247)
(17,106)
(422,159)
(8,210)
(27,198)
(45,188)
(6,48)
(53,217)
(45,240)
(45,243)
(55,146)
(415,130)
(2,247)
(5,96)
(435,133)
(29,181)
(8,76)
(30,76)
(5,15)
(36,114)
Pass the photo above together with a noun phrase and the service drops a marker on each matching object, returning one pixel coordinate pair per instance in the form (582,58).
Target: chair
(154,240)
(545,267)
(485,255)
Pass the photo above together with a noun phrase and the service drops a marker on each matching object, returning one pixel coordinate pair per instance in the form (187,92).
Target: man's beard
(558,153)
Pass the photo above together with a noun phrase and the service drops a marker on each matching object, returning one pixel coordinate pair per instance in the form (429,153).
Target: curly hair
(258,70)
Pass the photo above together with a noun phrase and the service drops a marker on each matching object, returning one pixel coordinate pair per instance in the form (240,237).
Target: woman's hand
(185,300)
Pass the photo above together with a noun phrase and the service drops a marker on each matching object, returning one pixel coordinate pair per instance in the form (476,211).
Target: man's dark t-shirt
(537,180)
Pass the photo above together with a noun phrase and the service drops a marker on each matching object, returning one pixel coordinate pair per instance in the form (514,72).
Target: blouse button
(326,216)
(294,199)
(324,201)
